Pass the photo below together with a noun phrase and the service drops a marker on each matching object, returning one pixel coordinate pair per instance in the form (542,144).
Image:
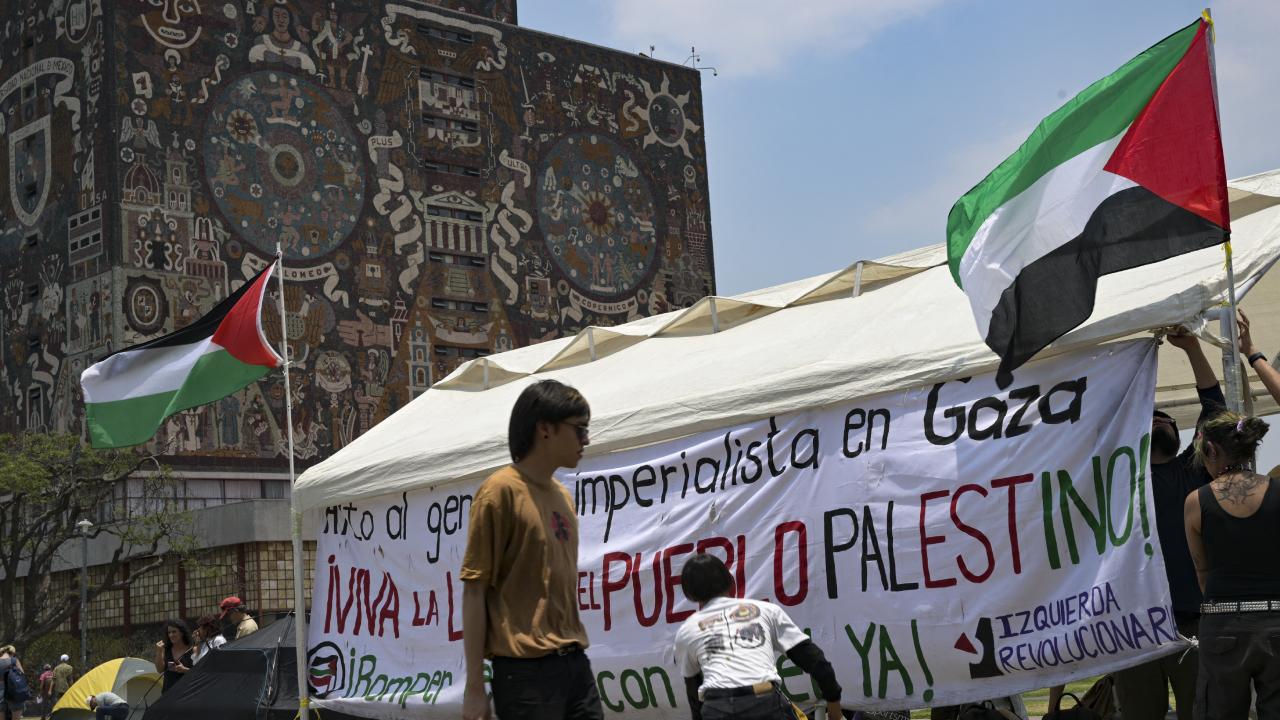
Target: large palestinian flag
(1128,172)
(128,394)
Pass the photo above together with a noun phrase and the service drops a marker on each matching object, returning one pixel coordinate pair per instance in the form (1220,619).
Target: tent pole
(857,280)
(295,517)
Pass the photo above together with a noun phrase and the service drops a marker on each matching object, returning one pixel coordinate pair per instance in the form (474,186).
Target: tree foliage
(48,483)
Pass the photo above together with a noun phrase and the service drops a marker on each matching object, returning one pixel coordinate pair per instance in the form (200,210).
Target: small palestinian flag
(129,393)
(1129,172)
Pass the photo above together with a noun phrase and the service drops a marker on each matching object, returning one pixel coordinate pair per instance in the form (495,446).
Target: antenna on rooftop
(695,58)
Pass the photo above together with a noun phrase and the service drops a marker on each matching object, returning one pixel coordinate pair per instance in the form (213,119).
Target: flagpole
(1231,372)
(295,517)
(1235,384)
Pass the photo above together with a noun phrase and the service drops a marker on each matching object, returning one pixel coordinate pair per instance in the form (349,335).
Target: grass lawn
(1037,701)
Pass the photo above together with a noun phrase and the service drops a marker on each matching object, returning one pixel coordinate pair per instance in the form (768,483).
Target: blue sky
(840,130)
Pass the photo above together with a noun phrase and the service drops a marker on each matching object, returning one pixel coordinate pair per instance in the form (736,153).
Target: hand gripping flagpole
(295,516)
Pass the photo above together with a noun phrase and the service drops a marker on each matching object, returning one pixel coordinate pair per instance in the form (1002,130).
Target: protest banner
(942,544)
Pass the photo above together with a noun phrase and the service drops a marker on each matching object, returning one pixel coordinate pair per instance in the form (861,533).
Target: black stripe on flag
(202,328)
(1055,293)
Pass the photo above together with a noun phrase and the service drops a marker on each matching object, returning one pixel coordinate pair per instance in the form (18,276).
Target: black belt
(760,688)
(561,651)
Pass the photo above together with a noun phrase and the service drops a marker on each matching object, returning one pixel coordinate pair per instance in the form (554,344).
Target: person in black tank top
(1233,532)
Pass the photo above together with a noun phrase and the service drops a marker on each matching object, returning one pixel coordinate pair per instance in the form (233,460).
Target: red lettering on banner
(454,635)
(652,619)
(926,540)
(1012,483)
(779,590)
(974,533)
(672,579)
(609,586)
(372,613)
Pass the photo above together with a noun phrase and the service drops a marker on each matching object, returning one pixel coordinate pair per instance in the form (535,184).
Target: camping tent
(871,328)
(253,678)
(133,679)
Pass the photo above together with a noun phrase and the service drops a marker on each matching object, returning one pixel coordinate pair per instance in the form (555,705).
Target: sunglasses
(584,433)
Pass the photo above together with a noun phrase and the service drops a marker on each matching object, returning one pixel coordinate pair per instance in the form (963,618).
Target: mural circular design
(145,305)
(597,215)
(283,164)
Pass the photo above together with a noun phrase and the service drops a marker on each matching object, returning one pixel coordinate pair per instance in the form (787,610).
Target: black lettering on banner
(857,419)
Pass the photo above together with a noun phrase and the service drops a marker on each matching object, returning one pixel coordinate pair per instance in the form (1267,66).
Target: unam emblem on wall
(597,215)
(146,307)
(283,165)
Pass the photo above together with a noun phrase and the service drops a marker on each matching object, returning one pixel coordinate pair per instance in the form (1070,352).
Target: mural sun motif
(668,120)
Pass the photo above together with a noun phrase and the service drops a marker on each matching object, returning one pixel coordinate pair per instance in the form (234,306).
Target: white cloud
(752,37)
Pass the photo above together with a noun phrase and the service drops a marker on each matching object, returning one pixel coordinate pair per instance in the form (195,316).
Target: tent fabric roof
(113,675)
(871,328)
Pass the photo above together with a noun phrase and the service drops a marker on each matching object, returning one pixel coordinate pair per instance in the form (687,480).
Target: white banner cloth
(941,544)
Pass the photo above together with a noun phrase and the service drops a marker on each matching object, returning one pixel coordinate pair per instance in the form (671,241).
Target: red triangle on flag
(1174,146)
(964,644)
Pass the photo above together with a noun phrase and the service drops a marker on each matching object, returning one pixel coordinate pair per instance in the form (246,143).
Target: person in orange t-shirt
(520,571)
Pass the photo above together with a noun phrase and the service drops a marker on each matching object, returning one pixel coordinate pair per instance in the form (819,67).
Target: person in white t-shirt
(728,649)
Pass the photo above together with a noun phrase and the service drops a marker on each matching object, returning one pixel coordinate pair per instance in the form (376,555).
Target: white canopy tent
(874,327)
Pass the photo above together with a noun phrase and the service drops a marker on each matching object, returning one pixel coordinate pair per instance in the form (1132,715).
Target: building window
(32,241)
(445,78)
(439,304)
(456,214)
(444,123)
(33,291)
(450,168)
(438,33)
(477,262)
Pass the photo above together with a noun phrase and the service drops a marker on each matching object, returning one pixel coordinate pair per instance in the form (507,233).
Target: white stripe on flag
(1042,218)
(137,373)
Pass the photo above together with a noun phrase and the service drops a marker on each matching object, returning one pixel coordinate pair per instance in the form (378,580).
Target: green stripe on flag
(135,420)
(1101,112)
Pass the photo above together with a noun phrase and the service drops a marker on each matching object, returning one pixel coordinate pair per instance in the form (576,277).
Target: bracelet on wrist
(1255,357)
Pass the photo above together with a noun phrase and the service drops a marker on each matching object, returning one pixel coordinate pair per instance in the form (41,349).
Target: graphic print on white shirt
(735,642)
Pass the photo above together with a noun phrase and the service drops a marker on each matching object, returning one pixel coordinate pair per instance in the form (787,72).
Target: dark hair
(545,401)
(705,577)
(209,621)
(181,627)
(1236,435)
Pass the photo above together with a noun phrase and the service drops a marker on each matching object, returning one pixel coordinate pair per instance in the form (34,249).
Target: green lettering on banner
(1123,451)
(643,701)
(604,694)
(364,676)
(864,651)
(1096,523)
(889,660)
(1143,448)
(649,672)
(1050,535)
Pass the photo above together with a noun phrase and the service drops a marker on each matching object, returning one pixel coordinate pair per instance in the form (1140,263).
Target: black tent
(253,678)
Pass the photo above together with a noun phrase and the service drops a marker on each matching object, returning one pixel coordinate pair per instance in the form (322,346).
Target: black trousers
(552,687)
(1239,652)
(770,706)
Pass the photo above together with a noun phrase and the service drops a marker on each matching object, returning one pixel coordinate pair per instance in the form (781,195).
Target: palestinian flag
(129,393)
(1129,172)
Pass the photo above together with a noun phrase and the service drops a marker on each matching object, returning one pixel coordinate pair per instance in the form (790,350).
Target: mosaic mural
(443,186)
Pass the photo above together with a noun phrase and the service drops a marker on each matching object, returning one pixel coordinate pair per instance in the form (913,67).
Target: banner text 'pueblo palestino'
(942,544)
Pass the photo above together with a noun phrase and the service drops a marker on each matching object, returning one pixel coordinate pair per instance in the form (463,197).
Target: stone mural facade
(442,183)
